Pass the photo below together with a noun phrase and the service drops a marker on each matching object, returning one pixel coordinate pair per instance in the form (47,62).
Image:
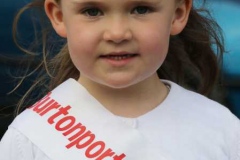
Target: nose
(117,31)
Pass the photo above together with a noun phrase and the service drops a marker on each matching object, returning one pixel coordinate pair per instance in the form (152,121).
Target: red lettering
(107,153)
(59,125)
(79,127)
(88,135)
(61,111)
(80,138)
(96,153)
(55,105)
(119,157)
(42,106)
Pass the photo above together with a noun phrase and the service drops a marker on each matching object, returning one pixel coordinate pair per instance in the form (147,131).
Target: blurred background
(226,12)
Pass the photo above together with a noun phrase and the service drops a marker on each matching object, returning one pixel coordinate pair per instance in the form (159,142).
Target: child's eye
(92,12)
(141,10)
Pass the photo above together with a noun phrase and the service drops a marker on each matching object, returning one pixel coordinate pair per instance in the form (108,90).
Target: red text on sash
(78,134)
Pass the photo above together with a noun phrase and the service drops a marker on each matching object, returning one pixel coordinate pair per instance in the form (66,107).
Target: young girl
(121,87)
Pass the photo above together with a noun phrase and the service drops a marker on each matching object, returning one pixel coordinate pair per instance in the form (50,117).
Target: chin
(119,84)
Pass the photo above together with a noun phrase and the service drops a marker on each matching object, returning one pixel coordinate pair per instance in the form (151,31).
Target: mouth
(118,57)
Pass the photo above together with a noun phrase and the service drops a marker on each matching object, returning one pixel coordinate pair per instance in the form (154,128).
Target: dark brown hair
(191,61)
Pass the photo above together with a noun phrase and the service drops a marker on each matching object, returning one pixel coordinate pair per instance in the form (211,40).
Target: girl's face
(117,43)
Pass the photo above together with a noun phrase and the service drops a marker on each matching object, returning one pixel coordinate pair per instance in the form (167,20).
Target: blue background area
(227,14)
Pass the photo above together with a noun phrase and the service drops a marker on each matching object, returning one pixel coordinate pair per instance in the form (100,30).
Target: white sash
(69,124)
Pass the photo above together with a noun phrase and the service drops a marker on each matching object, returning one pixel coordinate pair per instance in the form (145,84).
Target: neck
(131,101)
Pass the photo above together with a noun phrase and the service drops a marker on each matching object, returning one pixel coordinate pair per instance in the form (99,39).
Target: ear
(180,20)
(54,13)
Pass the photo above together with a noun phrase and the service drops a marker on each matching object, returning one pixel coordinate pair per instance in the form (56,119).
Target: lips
(119,59)
(119,56)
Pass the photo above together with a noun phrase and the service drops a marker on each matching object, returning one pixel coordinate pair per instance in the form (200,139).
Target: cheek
(82,42)
(80,49)
(156,41)
(154,45)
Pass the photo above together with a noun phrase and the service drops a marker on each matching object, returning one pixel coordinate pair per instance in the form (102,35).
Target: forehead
(116,2)
(113,0)
(109,1)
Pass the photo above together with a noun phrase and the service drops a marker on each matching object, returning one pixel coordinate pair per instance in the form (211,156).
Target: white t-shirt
(185,126)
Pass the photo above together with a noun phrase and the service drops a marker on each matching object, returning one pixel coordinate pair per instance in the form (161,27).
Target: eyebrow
(96,2)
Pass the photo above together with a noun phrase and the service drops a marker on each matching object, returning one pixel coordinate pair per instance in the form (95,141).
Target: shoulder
(207,119)
(196,103)
(16,146)
(199,111)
